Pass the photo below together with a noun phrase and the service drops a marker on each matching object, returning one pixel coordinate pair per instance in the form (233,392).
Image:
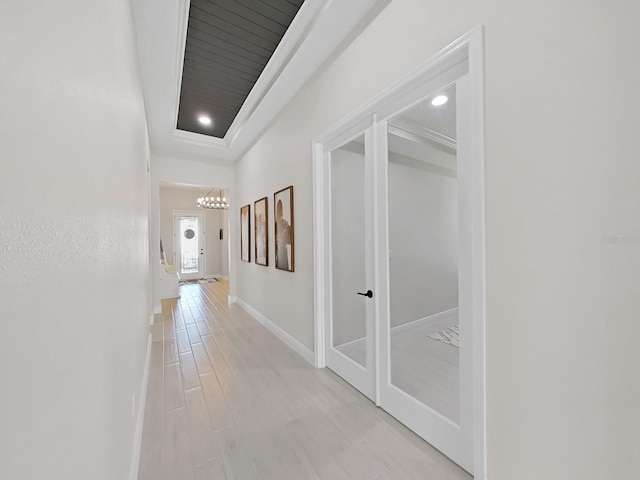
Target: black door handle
(368,294)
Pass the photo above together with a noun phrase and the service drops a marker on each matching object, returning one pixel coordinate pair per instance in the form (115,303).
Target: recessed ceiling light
(204,120)
(439,100)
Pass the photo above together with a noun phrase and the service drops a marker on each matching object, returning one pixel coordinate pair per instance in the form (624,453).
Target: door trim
(469,47)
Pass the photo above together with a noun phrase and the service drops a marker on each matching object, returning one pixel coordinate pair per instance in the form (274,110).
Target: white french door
(426,267)
(398,206)
(189,244)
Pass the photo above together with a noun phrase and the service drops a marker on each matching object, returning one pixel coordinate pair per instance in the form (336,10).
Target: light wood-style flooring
(228,400)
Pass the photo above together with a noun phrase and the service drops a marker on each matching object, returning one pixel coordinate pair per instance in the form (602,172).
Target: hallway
(228,400)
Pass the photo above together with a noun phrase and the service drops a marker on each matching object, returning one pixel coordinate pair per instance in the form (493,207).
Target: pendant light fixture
(218,201)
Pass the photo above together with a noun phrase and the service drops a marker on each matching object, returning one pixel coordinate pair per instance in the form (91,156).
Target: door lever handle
(368,294)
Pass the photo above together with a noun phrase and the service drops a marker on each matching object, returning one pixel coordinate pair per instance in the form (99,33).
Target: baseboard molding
(232,299)
(426,321)
(287,339)
(152,318)
(157,309)
(142,401)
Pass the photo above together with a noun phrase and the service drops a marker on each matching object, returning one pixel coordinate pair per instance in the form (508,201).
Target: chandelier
(219,201)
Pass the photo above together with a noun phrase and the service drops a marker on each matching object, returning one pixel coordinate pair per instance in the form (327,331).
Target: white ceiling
(320,27)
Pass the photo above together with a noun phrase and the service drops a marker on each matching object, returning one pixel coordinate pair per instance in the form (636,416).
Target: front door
(189,246)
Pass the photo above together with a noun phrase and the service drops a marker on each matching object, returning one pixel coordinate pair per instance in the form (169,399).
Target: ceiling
(165,51)
(228,45)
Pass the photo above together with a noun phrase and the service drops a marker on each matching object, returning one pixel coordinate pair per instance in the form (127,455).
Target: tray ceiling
(228,45)
(237,61)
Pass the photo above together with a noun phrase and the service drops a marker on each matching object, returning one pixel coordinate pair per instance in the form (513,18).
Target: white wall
(176,197)
(74,265)
(188,171)
(423,239)
(561,175)
(285,298)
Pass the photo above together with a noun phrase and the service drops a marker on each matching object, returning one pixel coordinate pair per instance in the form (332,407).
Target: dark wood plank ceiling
(229,42)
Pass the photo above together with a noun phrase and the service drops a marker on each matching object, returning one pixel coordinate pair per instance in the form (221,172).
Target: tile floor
(228,400)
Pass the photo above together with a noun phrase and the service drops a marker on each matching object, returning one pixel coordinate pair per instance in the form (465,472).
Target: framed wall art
(245,233)
(261,231)
(283,229)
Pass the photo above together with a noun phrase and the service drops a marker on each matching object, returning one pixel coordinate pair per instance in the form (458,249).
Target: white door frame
(176,243)
(469,47)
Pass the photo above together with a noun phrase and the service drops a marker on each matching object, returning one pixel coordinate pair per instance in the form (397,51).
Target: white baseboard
(157,309)
(291,342)
(142,401)
(232,299)
(451,314)
(152,318)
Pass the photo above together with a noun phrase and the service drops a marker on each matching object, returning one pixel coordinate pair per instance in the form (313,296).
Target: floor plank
(190,378)
(173,389)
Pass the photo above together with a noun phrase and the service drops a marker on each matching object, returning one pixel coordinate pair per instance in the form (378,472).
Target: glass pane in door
(423,257)
(189,244)
(348,269)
